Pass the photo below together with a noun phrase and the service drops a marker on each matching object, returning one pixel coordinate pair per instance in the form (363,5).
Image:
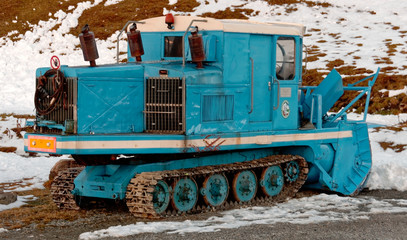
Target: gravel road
(378,226)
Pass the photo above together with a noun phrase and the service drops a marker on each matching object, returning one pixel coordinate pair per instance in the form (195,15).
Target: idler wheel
(244,186)
(215,190)
(272,181)
(185,194)
(292,171)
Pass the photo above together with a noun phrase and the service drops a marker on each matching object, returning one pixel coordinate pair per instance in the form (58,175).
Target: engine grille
(65,109)
(164,105)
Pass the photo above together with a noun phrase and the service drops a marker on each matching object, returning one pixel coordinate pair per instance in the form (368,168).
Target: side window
(285,58)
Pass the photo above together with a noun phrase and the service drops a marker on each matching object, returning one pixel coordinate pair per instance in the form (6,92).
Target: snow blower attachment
(167,136)
(325,96)
(88,45)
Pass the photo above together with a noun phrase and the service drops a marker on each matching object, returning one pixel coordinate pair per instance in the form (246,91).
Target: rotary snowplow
(205,114)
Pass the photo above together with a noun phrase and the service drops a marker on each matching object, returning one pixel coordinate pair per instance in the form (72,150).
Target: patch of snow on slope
(20,59)
(21,200)
(356,32)
(30,172)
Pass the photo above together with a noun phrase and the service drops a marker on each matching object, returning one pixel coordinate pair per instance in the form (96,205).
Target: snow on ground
(389,170)
(20,59)
(385,120)
(356,32)
(393,93)
(21,200)
(25,173)
(346,30)
(315,209)
(8,137)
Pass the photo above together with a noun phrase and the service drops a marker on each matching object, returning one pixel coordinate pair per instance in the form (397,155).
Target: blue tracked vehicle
(205,114)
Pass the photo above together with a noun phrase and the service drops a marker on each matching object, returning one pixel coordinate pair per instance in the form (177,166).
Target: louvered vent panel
(217,108)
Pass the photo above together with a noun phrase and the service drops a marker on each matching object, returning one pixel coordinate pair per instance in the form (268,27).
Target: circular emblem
(285,109)
(55,63)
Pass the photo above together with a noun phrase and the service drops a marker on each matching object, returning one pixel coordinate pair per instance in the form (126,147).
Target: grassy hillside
(104,20)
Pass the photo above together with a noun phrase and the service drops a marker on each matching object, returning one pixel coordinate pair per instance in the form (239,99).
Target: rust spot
(211,144)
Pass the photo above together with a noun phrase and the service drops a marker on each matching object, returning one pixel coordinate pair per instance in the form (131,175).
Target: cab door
(260,58)
(286,75)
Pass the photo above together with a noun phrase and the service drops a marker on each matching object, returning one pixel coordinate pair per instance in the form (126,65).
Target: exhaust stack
(135,43)
(197,47)
(88,45)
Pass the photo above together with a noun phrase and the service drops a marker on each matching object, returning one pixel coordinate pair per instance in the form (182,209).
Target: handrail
(278,94)
(251,98)
(183,37)
(118,36)
(364,90)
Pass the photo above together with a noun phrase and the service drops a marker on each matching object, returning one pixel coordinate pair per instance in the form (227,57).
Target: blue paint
(245,103)
(292,171)
(244,186)
(330,90)
(161,197)
(109,181)
(215,189)
(185,194)
(272,181)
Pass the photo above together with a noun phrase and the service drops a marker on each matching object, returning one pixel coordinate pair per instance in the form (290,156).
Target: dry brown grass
(104,21)
(380,102)
(24,12)
(313,54)
(8,149)
(335,63)
(396,147)
(40,212)
(3,116)
(14,185)
(230,14)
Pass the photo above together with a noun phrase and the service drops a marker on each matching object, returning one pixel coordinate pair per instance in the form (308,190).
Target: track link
(139,195)
(62,186)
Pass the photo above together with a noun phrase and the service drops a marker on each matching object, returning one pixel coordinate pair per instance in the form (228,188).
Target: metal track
(62,186)
(139,197)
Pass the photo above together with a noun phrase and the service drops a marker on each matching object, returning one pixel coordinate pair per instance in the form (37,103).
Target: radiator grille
(65,109)
(164,105)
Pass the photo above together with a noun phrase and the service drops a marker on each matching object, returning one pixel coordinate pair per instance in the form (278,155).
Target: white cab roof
(227,25)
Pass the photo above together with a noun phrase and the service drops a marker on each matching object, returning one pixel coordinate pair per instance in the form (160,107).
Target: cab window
(172,46)
(285,58)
